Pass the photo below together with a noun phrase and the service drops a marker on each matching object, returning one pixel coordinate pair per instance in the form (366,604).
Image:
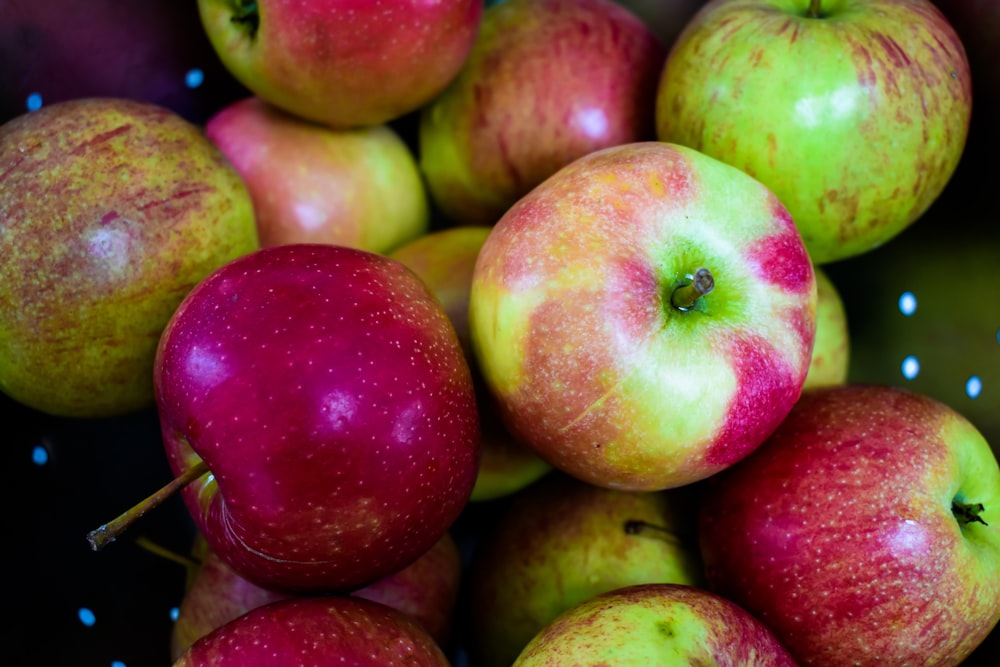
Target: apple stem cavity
(245,14)
(814,11)
(967,513)
(685,296)
(641,527)
(104,535)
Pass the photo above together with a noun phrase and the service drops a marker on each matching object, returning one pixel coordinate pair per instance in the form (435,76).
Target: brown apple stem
(685,296)
(814,10)
(104,535)
(641,527)
(967,513)
(154,548)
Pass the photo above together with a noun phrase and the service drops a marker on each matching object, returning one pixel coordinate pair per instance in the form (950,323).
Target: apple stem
(163,552)
(641,527)
(968,512)
(814,11)
(685,296)
(104,535)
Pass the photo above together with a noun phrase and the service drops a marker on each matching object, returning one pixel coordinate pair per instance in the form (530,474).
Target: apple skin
(831,355)
(881,89)
(547,81)
(839,532)
(426,590)
(572,326)
(560,542)
(325,389)
(317,631)
(312,184)
(134,50)
(445,259)
(672,625)
(94,267)
(343,63)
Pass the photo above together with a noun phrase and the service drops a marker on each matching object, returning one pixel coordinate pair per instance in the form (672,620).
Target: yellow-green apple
(831,353)
(645,317)
(879,88)
(343,63)
(666,18)
(445,259)
(547,81)
(153,51)
(426,590)
(323,630)
(865,531)
(313,184)
(325,392)
(669,625)
(560,542)
(111,210)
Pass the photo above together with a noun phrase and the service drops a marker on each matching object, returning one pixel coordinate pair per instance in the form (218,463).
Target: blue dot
(34,102)
(911,367)
(117,663)
(194,78)
(907,303)
(40,455)
(86,617)
(973,386)
(175,614)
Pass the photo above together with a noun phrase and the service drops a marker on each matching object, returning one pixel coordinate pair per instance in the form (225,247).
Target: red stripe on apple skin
(782,260)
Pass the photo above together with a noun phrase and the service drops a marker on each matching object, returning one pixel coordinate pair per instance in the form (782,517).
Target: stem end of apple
(967,513)
(684,297)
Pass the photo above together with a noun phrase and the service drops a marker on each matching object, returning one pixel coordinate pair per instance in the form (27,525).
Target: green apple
(645,317)
(111,211)
(560,542)
(445,260)
(667,625)
(854,112)
(831,353)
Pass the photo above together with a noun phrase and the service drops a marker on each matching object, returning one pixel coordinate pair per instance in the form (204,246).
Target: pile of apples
(568,256)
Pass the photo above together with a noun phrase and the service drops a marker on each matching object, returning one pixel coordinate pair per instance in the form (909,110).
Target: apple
(426,590)
(560,542)
(645,317)
(831,355)
(865,531)
(669,625)
(854,113)
(111,210)
(445,259)
(320,399)
(343,63)
(312,184)
(317,631)
(547,81)
(153,51)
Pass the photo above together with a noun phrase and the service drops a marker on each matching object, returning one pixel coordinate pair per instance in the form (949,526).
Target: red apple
(426,590)
(645,317)
(317,631)
(313,184)
(865,531)
(343,63)
(547,81)
(325,391)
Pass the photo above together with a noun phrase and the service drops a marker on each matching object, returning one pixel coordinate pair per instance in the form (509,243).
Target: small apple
(317,631)
(560,542)
(312,184)
(426,590)
(645,317)
(865,531)
(324,391)
(668,625)
(111,210)
(343,63)
(547,81)
(879,89)
(831,353)
(444,260)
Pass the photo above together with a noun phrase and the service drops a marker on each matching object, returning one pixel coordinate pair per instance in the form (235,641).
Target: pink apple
(327,394)
(343,63)
(667,625)
(865,531)
(645,317)
(313,184)
(547,81)
(317,631)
